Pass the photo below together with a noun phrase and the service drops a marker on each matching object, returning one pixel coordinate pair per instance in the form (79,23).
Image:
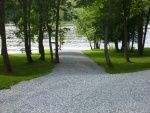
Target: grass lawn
(22,70)
(138,63)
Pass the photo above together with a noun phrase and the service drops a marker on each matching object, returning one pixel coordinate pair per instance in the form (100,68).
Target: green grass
(22,70)
(138,63)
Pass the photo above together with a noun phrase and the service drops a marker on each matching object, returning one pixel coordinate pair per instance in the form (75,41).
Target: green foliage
(97,10)
(22,70)
(68,11)
(117,58)
(138,6)
(84,23)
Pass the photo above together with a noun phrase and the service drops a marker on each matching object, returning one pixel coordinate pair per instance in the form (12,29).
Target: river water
(72,41)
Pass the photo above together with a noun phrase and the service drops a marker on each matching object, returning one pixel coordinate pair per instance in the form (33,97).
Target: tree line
(100,20)
(32,18)
(114,21)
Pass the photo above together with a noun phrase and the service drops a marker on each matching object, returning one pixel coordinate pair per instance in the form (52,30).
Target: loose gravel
(78,85)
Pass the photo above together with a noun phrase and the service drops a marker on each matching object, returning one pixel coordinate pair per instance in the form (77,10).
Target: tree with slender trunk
(126,55)
(29,23)
(57,30)
(50,19)
(25,29)
(146,25)
(133,36)
(140,33)
(49,29)
(41,36)
(42,16)
(106,35)
(6,61)
(116,45)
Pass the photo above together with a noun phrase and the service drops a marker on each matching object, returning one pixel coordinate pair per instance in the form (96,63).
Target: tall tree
(140,33)
(140,29)
(3,38)
(41,37)
(25,29)
(107,33)
(29,22)
(146,25)
(50,10)
(125,31)
(57,30)
(42,16)
(140,8)
(49,29)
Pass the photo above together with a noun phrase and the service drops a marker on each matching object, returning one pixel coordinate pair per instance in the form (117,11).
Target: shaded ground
(78,85)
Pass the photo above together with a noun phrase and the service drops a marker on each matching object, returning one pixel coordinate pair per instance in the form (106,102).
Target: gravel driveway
(78,85)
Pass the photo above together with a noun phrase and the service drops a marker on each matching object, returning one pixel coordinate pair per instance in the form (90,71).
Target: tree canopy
(99,20)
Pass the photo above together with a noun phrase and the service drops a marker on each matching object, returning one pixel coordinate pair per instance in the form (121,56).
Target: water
(81,43)
(72,41)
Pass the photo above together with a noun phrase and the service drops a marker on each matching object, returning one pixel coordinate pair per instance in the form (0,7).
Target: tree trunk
(41,47)
(94,42)
(25,25)
(116,46)
(29,37)
(60,42)
(140,34)
(146,25)
(29,25)
(1,49)
(90,44)
(50,42)
(133,36)
(57,29)
(97,45)
(106,36)
(126,55)
(6,61)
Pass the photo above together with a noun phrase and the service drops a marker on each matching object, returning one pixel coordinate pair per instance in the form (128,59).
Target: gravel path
(78,85)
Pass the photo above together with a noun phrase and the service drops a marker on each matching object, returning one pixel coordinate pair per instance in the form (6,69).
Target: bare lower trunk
(56,37)
(116,46)
(6,61)
(50,42)
(146,25)
(41,29)
(27,48)
(41,47)
(90,44)
(140,34)
(29,26)
(126,55)
(106,36)
(100,44)
(94,42)
(97,45)
(133,35)
(29,38)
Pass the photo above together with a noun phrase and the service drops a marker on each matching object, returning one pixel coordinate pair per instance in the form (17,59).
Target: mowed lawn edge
(22,70)
(138,63)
